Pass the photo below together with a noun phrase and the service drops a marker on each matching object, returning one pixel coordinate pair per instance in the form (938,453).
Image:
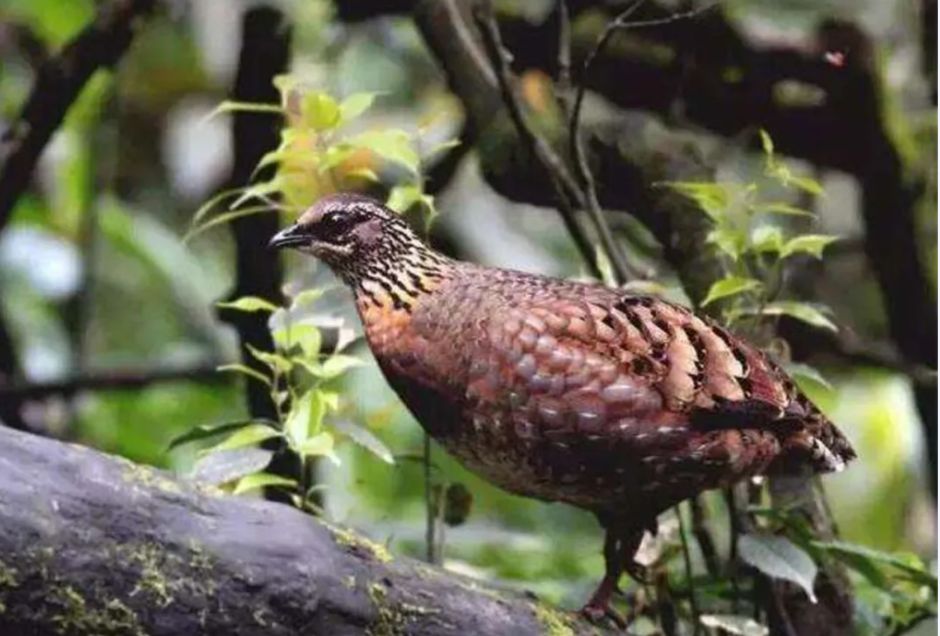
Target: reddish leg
(598,606)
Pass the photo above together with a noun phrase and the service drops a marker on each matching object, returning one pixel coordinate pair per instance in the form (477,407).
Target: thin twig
(563,84)
(693,603)
(120,380)
(568,193)
(429,507)
(704,537)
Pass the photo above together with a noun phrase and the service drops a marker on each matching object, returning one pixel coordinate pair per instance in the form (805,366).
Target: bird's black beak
(293,236)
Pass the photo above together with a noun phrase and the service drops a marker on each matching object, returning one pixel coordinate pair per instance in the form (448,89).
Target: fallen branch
(93,544)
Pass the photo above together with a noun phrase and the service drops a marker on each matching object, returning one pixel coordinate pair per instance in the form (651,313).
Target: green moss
(7,576)
(555,622)
(113,618)
(349,539)
(149,477)
(163,575)
(389,622)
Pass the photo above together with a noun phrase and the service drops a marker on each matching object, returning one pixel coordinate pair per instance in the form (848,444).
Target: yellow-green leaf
(320,111)
(305,418)
(262,480)
(245,370)
(355,105)
(782,208)
(729,287)
(249,304)
(767,238)
(801,311)
(320,445)
(392,145)
(812,244)
(247,436)
(274,361)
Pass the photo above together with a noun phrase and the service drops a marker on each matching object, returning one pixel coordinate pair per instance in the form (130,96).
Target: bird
(566,391)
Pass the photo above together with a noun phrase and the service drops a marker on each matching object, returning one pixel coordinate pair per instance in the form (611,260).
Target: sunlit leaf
(320,445)
(767,238)
(801,311)
(262,480)
(205,431)
(246,436)
(812,244)
(782,208)
(274,361)
(730,286)
(800,370)
(228,465)
(336,365)
(229,106)
(355,105)
(392,145)
(249,304)
(806,185)
(909,565)
(712,197)
(779,558)
(225,218)
(245,370)
(307,296)
(320,111)
(734,625)
(364,437)
(728,240)
(766,143)
(604,266)
(305,418)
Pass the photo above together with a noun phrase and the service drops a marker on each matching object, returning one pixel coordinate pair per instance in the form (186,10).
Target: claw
(639,573)
(596,614)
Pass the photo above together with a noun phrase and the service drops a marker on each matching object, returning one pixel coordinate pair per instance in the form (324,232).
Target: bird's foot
(638,572)
(598,614)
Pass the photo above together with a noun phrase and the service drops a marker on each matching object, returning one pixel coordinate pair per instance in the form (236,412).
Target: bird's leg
(629,544)
(598,606)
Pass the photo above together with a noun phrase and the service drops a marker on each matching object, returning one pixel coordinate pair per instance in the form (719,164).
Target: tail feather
(818,443)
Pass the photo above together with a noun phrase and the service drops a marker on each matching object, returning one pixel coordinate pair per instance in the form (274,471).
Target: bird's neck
(396,275)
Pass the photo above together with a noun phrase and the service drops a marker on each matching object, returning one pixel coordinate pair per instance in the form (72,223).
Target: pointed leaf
(337,365)
(911,566)
(801,311)
(228,465)
(766,143)
(782,208)
(205,431)
(729,287)
(734,625)
(320,111)
(812,244)
(355,105)
(247,371)
(320,445)
(805,371)
(246,436)
(249,304)
(767,238)
(392,145)
(262,480)
(779,558)
(305,418)
(365,438)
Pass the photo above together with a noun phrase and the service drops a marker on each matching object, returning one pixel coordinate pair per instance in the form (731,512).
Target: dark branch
(114,548)
(58,84)
(120,380)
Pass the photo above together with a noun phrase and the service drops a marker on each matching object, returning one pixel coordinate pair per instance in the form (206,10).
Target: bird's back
(581,393)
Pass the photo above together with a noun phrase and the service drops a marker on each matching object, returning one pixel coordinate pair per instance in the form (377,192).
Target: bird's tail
(817,443)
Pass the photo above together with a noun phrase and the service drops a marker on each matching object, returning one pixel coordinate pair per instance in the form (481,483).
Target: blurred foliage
(151,298)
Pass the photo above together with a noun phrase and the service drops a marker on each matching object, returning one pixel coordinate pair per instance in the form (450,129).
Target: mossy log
(92,544)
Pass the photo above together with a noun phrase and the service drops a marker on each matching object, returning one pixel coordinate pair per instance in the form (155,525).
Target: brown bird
(565,391)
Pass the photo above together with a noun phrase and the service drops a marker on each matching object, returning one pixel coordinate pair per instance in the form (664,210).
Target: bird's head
(352,233)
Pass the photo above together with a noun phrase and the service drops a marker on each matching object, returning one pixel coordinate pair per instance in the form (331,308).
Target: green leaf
(766,143)
(305,418)
(779,558)
(806,185)
(403,197)
(730,286)
(261,480)
(337,365)
(364,437)
(364,173)
(908,565)
(734,625)
(728,240)
(320,445)
(801,311)
(247,371)
(228,465)
(444,145)
(807,372)
(225,218)
(604,266)
(812,244)
(274,361)
(767,238)
(246,436)
(781,208)
(320,111)
(249,304)
(355,105)
(307,296)
(392,145)
(712,197)
(205,431)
